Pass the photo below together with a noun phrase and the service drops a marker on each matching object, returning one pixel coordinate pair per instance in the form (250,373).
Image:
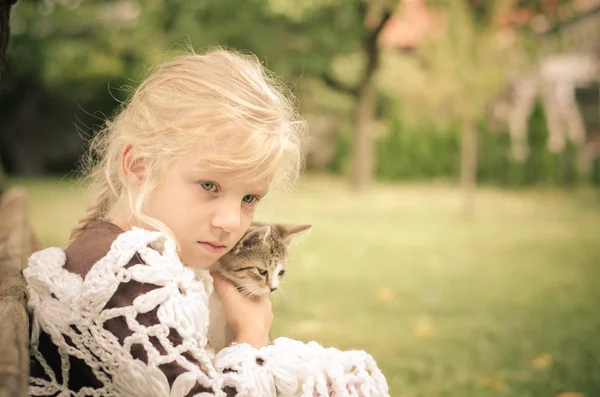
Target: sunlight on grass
(503,305)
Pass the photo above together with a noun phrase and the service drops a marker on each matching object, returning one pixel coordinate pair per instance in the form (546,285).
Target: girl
(180,171)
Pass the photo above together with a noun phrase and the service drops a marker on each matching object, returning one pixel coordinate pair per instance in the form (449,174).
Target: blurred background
(453,175)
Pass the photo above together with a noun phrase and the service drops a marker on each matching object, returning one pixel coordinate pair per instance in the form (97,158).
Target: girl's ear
(132,167)
(293,233)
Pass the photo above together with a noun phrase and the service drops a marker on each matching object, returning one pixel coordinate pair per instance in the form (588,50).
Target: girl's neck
(122,218)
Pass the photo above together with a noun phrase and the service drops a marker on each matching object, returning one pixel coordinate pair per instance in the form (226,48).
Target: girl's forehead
(242,176)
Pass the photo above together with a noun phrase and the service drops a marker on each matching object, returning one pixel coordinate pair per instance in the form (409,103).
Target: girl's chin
(199,261)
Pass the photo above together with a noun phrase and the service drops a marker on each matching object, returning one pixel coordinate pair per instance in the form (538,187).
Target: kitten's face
(259,260)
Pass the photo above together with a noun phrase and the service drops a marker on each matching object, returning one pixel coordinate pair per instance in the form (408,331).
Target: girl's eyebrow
(260,189)
(261,192)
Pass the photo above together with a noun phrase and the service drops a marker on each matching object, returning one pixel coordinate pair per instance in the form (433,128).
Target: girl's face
(207,211)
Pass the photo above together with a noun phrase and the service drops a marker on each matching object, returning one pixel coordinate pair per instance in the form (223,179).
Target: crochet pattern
(73,310)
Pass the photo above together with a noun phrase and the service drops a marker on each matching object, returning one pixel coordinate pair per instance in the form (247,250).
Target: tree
(364,93)
(68,62)
(455,78)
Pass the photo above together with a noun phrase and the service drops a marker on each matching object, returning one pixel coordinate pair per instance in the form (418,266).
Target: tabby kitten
(255,265)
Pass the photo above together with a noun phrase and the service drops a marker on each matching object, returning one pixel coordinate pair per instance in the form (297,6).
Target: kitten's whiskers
(283,295)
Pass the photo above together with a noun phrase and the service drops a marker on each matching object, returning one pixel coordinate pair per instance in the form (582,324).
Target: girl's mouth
(212,246)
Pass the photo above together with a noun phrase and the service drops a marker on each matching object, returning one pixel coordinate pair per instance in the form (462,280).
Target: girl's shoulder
(91,246)
(103,246)
(100,239)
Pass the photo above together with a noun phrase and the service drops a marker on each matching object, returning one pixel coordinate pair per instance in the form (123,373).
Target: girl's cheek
(249,211)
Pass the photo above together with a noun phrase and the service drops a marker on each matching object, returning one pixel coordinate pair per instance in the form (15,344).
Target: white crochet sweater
(71,310)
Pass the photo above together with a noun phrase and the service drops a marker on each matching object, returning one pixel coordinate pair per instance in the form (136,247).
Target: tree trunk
(28,145)
(5,6)
(362,153)
(362,150)
(468,167)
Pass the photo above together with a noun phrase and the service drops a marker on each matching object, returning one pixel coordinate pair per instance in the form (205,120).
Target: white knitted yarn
(66,306)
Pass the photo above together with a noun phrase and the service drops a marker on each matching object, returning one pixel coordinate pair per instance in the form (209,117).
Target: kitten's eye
(250,198)
(208,186)
(281,273)
(262,272)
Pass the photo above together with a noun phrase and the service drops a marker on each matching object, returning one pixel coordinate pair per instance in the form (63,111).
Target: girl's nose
(228,217)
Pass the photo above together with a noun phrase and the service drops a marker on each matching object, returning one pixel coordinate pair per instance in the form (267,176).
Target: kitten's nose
(273,289)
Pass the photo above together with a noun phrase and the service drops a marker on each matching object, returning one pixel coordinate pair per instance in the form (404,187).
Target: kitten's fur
(263,249)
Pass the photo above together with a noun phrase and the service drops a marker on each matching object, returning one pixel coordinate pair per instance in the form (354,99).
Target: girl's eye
(262,272)
(281,273)
(208,186)
(250,198)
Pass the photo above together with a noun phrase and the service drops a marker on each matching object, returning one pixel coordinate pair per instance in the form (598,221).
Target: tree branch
(337,85)
(386,16)
(362,9)
(372,49)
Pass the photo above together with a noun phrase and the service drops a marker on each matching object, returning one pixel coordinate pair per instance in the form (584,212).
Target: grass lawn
(504,305)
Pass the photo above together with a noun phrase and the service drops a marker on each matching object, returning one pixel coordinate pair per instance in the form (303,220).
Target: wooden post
(16,244)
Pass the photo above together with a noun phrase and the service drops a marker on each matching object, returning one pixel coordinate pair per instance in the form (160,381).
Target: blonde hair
(223,102)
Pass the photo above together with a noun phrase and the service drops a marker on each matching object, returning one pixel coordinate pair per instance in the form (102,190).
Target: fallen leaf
(423,328)
(570,394)
(543,361)
(386,294)
(494,383)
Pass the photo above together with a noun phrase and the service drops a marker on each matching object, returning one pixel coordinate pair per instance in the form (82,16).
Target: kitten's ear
(293,233)
(255,237)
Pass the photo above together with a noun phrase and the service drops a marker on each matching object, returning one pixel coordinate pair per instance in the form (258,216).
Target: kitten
(255,265)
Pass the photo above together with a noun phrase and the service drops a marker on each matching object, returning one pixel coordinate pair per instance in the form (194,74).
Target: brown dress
(87,249)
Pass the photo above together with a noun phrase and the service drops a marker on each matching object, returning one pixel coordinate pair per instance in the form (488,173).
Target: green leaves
(457,74)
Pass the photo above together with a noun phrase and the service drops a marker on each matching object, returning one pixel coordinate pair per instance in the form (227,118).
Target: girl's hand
(250,318)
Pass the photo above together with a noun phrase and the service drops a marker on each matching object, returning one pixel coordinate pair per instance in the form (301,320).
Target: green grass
(446,307)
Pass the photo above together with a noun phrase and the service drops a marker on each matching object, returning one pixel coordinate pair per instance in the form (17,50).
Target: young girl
(180,171)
